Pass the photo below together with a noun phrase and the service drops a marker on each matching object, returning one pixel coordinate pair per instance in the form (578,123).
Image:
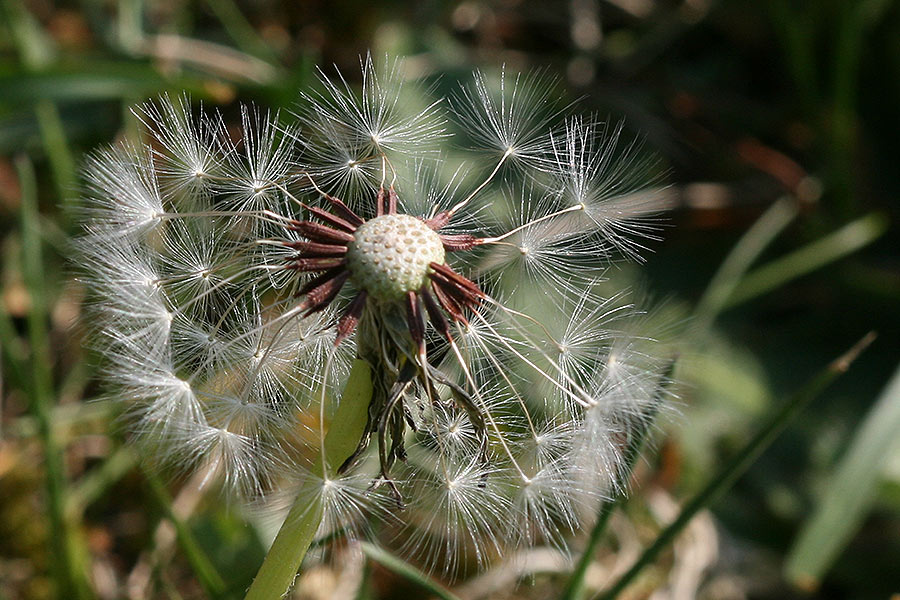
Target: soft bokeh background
(775,112)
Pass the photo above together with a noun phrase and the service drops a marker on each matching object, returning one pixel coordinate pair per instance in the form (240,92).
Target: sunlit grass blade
(575,586)
(849,493)
(407,571)
(56,146)
(280,566)
(62,417)
(68,554)
(35,47)
(838,244)
(129,24)
(738,261)
(741,461)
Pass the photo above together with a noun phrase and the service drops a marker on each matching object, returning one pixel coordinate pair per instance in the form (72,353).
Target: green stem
(277,573)
(36,52)
(129,22)
(67,555)
(56,145)
(202,566)
(735,467)
(241,31)
(575,586)
(401,568)
(854,22)
(850,494)
(96,482)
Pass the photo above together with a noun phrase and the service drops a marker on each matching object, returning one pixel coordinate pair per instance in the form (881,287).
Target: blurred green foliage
(751,104)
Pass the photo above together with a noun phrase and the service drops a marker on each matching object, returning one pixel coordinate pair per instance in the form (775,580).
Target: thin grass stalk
(98,481)
(405,570)
(850,494)
(575,587)
(745,252)
(738,464)
(36,51)
(797,31)
(56,146)
(129,30)
(241,31)
(853,23)
(210,579)
(67,567)
(827,249)
(62,417)
(279,568)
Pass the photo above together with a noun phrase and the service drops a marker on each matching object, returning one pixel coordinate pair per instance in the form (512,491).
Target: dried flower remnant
(235,280)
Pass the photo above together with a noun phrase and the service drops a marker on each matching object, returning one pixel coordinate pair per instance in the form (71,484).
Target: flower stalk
(281,564)
(67,551)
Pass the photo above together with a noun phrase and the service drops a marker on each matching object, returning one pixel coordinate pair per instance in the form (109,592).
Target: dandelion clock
(383,306)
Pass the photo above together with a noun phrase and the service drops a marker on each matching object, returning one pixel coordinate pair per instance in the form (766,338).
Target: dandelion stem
(741,461)
(280,566)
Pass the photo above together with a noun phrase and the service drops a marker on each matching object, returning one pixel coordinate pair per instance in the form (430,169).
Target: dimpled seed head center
(390,254)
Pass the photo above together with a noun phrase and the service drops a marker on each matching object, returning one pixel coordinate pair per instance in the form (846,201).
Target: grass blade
(56,147)
(202,566)
(241,31)
(36,51)
(849,494)
(91,81)
(575,586)
(95,483)
(735,467)
(846,240)
(408,572)
(745,252)
(65,547)
(36,48)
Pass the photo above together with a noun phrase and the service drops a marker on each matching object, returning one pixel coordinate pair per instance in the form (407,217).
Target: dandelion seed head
(234,279)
